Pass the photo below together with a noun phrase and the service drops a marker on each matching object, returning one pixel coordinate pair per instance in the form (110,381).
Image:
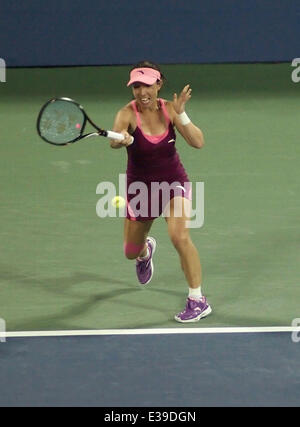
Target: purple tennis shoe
(194,310)
(144,267)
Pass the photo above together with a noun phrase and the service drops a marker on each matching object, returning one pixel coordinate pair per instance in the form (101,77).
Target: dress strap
(165,111)
(138,119)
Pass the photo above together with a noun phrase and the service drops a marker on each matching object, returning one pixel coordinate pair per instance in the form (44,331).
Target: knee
(132,250)
(180,240)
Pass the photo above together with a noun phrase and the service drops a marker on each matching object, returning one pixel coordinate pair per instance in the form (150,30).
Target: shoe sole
(153,241)
(204,313)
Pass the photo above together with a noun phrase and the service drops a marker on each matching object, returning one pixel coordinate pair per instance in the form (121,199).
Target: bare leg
(135,235)
(180,237)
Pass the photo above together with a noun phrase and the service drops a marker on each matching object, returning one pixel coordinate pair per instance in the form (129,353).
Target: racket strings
(61,122)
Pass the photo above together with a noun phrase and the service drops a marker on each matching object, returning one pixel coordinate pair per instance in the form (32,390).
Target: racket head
(61,121)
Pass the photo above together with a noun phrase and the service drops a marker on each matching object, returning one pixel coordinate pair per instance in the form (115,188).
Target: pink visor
(147,76)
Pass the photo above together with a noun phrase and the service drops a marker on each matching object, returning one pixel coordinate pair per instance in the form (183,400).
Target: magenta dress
(154,173)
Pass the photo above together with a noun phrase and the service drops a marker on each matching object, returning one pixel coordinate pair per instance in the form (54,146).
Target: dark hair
(148,64)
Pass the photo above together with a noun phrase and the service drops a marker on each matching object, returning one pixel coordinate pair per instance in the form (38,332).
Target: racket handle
(117,136)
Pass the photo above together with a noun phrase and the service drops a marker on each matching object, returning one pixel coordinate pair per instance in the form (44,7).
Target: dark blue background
(95,32)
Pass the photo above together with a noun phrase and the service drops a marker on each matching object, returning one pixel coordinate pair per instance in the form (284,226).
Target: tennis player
(152,158)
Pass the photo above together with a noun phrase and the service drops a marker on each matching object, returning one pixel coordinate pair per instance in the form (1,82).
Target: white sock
(195,293)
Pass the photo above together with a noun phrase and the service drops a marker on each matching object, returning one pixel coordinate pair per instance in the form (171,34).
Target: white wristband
(184,119)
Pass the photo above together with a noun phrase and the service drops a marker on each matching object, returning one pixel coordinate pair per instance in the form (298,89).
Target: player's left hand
(180,101)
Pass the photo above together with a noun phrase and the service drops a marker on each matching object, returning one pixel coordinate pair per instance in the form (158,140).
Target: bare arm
(190,132)
(121,125)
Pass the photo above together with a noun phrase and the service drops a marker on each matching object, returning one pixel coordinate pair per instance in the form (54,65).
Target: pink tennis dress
(155,173)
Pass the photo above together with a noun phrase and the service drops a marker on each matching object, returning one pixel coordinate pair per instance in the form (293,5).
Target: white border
(154,331)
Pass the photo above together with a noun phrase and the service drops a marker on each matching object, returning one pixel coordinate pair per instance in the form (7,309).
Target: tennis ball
(118,202)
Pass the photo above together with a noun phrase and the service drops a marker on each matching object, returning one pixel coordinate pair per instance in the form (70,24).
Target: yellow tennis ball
(118,202)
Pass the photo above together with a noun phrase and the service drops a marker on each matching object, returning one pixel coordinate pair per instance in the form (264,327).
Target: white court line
(154,331)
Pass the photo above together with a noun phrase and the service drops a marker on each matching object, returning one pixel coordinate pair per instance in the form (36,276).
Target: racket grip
(117,136)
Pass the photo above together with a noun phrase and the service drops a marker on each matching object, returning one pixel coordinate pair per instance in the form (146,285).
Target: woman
(152,158)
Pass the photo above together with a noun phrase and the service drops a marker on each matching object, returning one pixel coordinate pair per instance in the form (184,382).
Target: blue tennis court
(152,370)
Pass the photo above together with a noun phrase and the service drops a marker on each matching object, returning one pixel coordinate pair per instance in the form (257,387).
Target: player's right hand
(127,139)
